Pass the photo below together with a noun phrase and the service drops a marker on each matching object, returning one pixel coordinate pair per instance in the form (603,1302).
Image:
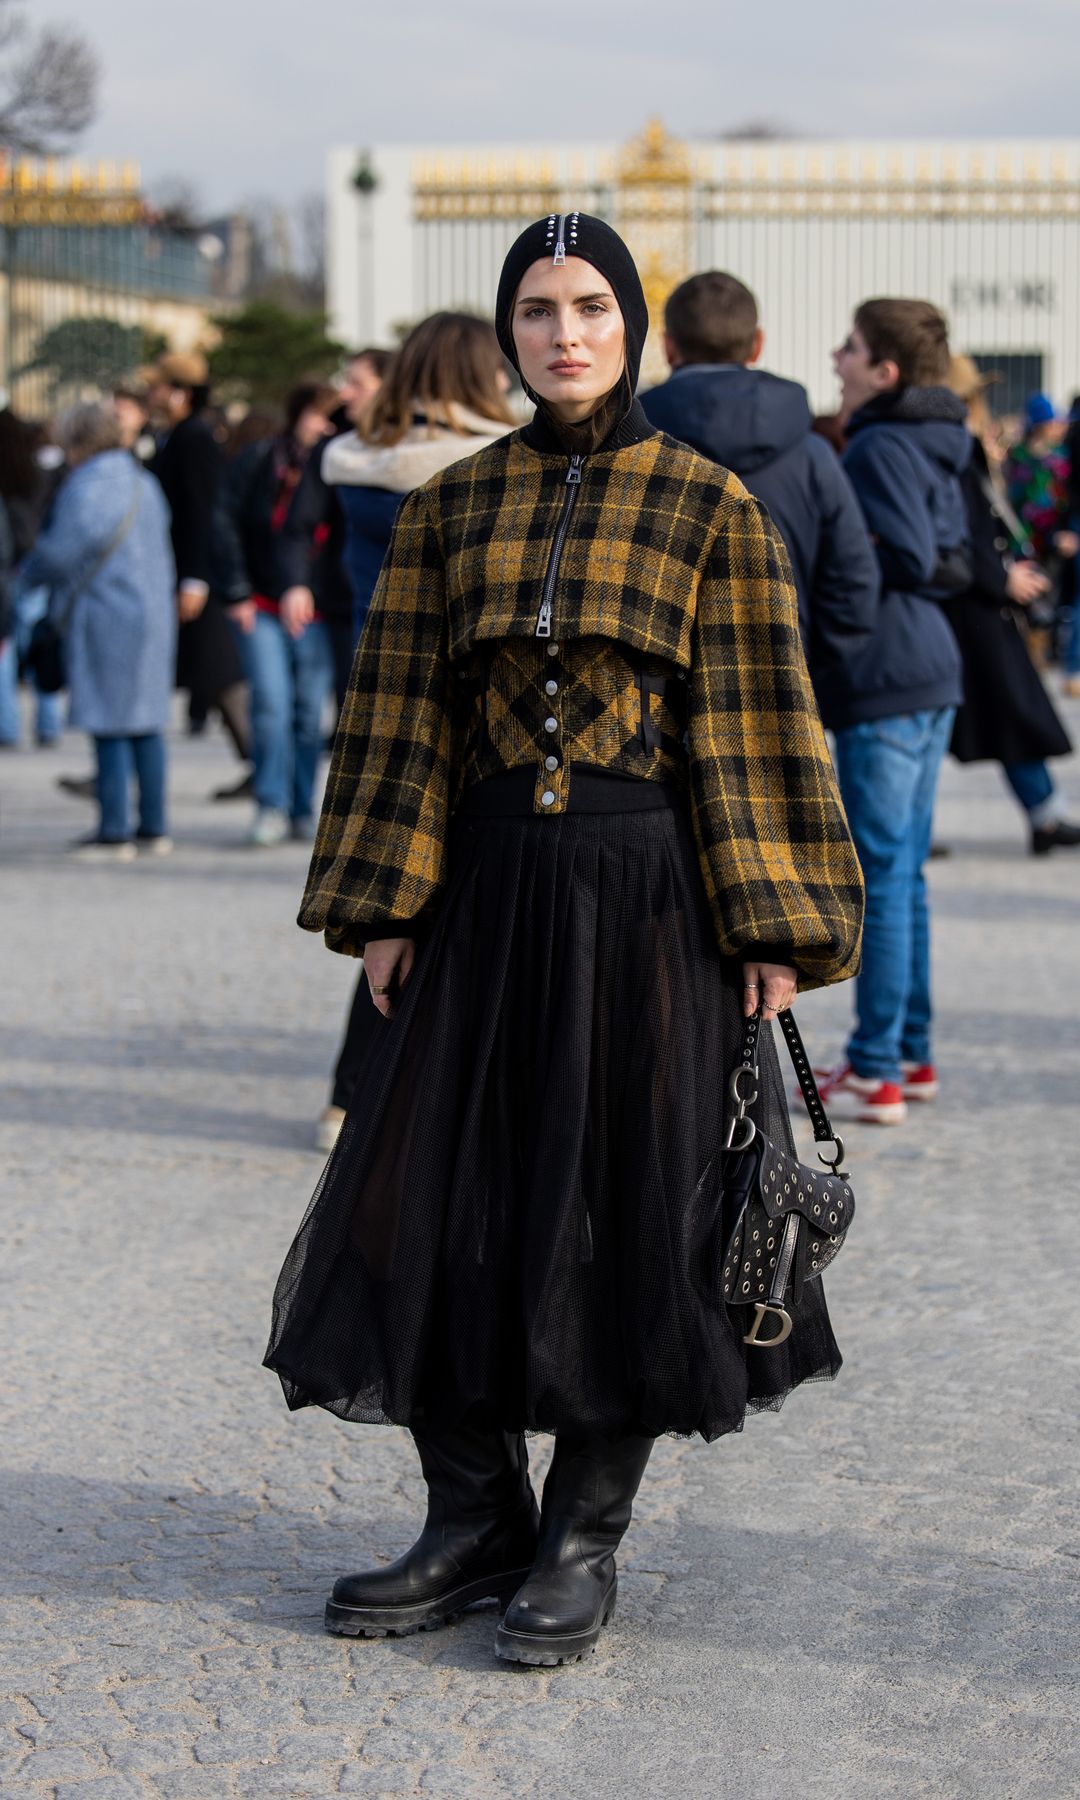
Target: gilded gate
(991,233)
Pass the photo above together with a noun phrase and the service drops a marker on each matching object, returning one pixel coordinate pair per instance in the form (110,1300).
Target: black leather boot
(477,1544)
(570,1594)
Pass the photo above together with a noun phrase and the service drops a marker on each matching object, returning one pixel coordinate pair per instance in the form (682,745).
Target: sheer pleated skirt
(520,1221)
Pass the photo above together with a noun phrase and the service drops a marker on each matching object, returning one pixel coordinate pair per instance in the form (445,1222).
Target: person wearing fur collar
(443,398)
(581,821)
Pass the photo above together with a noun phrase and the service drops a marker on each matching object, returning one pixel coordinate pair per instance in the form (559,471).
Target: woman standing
(105,558)
(1007,715)
(581,819)
(312,543)
(444,397)
(288,651)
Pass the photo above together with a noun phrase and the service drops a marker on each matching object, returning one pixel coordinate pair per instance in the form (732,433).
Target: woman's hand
(191,598)
(772,985)
(1026,582)
(297,609)
(243,616)
(388,964)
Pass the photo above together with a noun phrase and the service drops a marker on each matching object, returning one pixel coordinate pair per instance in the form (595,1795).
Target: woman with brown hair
(442,398)
(582,823)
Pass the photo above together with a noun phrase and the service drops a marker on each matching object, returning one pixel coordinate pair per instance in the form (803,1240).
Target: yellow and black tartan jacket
(669,650)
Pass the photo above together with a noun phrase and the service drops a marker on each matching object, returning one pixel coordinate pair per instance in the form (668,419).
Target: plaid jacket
(667,565)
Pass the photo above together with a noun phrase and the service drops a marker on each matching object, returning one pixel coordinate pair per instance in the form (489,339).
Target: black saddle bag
(784,1222)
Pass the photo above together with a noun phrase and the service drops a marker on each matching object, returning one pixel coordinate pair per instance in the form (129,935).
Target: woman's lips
(567,368)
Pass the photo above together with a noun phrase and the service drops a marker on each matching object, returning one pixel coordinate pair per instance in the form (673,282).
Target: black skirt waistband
(513,793)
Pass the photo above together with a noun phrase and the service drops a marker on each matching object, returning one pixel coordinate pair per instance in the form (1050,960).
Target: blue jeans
(291,680)
(49,708)
(1033,785)
(116,756)
(888,772)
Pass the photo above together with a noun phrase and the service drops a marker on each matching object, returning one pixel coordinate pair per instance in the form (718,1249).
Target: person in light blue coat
(106,559)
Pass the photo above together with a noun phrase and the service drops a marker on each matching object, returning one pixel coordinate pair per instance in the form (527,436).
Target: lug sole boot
(478,1541)
(569,1596)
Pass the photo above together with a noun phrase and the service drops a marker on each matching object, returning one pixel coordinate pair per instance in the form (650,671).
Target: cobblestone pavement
(873,1594)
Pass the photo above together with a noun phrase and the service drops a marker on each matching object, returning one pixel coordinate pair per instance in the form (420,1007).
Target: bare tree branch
(48,84)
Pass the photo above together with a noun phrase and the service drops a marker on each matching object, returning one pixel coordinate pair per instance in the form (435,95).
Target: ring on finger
(380,990)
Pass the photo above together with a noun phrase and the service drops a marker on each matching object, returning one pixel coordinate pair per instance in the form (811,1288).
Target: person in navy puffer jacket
(892,706)
(759,426)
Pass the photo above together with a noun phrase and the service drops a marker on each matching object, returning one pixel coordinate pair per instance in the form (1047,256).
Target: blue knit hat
(1039,409)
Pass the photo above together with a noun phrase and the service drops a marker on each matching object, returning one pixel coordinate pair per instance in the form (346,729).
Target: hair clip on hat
(559,230)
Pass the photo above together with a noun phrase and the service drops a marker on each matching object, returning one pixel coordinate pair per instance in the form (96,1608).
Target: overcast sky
(244,97)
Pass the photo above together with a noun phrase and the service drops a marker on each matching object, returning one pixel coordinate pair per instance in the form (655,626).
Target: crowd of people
(935,560)
(583,832)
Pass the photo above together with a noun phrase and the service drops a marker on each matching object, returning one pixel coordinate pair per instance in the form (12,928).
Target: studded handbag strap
(815,1106)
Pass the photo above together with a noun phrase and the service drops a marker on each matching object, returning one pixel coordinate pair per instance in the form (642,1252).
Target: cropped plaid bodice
(559,706)
(644,624)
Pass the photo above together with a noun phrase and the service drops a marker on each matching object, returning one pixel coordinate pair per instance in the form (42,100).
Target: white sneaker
(270,828)
(328,1128)
(154,846)
(102,850)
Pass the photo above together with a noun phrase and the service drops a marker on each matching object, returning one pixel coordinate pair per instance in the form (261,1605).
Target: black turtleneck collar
(632,428)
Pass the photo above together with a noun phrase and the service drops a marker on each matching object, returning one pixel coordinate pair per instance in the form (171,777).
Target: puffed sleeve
(380,851)
(779,865)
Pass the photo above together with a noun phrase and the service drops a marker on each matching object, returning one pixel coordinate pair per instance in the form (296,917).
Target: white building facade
(990,231)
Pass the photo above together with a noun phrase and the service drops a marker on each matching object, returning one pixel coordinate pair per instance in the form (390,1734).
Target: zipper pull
(543,620)
(573,473)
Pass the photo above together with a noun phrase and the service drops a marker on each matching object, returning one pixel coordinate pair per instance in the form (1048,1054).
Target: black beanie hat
(576,234)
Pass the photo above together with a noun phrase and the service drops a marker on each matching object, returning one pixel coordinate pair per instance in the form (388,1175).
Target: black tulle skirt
(519,1222)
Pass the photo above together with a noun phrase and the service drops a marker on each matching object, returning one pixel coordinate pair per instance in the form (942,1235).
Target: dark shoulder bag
(784,1222)
(45,659)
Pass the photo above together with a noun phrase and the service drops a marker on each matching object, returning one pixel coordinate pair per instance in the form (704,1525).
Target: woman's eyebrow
(547,299)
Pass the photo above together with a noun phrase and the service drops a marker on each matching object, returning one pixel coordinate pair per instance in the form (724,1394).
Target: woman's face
(569,336)
(311,427)
(362,383)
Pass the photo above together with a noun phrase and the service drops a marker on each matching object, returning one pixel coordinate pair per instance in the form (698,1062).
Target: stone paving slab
(874,1594)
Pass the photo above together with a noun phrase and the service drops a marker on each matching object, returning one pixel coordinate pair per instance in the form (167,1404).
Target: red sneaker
(920,1081)
(850,1096)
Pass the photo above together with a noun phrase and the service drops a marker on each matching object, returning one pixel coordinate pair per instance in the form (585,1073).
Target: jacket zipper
(573,483)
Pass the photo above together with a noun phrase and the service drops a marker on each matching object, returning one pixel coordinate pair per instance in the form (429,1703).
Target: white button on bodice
(551,687)
(553,649)
(551,762)
(547,798)
(551,724)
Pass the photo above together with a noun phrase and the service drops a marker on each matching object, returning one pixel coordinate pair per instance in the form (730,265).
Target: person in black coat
(189,466)
(289,661)
(1007,715)
(760,426)
(311,546)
